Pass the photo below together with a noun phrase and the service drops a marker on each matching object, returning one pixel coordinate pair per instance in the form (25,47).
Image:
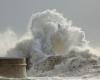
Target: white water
(50,34)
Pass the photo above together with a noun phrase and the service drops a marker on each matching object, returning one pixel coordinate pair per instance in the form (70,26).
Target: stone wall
(13,68)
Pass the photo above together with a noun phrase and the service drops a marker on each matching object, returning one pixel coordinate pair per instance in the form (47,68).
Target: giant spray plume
(53,41)
(54,34)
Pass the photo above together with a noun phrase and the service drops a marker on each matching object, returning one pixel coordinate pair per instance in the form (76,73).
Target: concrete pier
(13,67)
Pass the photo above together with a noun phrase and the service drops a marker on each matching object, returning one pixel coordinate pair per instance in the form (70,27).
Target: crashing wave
(54,47)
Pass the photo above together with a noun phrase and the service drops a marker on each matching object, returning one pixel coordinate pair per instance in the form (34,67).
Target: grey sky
(84,13)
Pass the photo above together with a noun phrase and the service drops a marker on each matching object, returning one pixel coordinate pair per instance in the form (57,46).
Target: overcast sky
(84,13)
